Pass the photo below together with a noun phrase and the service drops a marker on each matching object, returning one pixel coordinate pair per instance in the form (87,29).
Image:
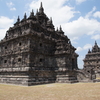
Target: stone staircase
(66,79)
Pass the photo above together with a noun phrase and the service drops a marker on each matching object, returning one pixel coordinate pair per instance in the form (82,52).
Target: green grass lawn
(56,91)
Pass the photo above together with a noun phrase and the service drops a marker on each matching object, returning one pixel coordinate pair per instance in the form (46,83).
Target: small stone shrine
(92,61)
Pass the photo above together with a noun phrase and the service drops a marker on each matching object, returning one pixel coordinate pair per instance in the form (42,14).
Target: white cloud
(79,49)
(97,14)
(89,14)
(85,47)
(81,26)
(2,33)
(96,37)
(5,23)
(80,1)
(73,40)
(11,6)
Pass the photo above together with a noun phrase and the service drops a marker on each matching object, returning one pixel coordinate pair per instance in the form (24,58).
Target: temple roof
(95,48)
(41,9)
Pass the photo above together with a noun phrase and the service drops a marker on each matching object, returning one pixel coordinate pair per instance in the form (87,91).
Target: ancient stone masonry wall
(14,49)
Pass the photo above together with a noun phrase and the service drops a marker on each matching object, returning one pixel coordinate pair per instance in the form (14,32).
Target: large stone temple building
(33,52)
(92,61)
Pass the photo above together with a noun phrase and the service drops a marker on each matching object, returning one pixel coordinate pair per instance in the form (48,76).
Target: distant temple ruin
(92,61)
(33,52)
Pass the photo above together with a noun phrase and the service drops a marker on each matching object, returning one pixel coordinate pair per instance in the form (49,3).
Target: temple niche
(33,52)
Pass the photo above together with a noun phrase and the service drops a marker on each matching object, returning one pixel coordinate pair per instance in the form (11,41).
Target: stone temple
(33,52)
(92,61)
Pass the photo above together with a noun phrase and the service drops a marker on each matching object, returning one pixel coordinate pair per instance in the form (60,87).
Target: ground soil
(56,91)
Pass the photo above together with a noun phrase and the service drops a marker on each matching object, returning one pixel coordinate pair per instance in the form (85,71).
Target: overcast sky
(80,19)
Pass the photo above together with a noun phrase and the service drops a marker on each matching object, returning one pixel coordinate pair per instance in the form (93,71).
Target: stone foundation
(25,80)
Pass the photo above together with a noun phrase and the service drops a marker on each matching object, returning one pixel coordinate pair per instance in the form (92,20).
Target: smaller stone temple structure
(92,61)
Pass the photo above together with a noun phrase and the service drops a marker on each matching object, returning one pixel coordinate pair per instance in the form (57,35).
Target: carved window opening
(97,66)
(6,47)
(19,59)
(41,45)
(36,74)
(88,71)
(5,61)
(41,60)
(20,44)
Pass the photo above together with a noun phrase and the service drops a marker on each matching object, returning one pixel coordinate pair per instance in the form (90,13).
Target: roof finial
(57,29)
(25,16)
(41,10)
(95,43)
(89,51)
(60,28)
(51,20)
(41,5)
(32,13)
(18,19)
(37,12)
